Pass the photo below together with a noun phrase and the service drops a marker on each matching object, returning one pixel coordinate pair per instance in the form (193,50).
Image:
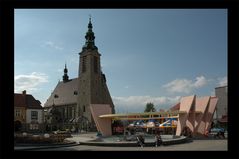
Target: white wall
(40,115)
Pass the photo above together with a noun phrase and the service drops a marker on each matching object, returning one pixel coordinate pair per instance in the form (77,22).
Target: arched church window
(83,108)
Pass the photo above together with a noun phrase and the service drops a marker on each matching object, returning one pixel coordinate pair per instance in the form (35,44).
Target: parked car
(151,123)
(138,123)
(218,132)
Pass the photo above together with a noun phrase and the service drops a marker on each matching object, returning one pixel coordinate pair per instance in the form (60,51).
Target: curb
(31,147)
(133,144)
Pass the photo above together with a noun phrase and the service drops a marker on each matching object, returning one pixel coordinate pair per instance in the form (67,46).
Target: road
(196,145)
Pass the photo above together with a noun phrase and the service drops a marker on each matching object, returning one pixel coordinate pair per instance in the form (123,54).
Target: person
(158,140)
(222,133)
(184,131)
(98,134)
(187,132)
(140,140)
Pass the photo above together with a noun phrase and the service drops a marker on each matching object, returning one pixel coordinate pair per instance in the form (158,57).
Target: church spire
(90,38)
(65,77)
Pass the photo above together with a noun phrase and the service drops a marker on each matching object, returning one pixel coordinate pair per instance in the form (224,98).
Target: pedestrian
(140,140)
(158,140)
(222,133)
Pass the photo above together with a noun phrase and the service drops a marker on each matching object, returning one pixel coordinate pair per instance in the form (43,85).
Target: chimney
(24,92)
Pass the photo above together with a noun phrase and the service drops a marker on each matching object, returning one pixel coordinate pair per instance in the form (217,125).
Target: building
(28,113)
(73,97)
(221,109)
(19,111)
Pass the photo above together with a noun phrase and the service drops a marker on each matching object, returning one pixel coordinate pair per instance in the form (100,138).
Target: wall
(221,108)
(40,115)
(22,117)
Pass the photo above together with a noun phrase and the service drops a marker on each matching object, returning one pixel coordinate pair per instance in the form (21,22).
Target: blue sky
(148,55)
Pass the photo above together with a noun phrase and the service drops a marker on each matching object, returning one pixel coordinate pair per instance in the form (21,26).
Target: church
(71,98)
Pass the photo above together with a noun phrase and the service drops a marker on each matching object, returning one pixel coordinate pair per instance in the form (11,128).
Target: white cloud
(200,82)
(29,82)
(222,81)
(185,85)
(52,45)
(137,103)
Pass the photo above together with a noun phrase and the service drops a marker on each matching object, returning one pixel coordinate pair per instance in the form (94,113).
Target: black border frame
(7,74)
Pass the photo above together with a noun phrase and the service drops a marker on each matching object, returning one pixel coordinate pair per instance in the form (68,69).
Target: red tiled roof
(28,101)
(19,100)
(176,107)
(32,102)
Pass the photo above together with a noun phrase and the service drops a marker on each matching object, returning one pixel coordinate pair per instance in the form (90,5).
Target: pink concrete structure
(103,125)
(211,110)
(196,114)
(201,105)
(190,123)
(185,107)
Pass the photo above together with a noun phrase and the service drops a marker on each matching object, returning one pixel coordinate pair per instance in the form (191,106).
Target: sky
(147,55)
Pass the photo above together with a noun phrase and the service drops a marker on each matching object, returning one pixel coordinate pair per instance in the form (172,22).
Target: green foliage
(149,107)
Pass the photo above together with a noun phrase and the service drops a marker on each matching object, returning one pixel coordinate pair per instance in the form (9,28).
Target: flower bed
(40,139)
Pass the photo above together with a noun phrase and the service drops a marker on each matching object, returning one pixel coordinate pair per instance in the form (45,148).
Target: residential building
(28,113)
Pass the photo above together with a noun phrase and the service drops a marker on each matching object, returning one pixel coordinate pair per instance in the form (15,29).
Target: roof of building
(19,100)
(64,93)
(175,107)
(221,87)
(27,101)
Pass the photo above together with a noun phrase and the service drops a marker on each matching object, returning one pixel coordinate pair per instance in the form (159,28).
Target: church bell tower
(92,88)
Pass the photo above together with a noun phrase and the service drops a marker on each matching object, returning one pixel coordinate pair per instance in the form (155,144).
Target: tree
(149,107)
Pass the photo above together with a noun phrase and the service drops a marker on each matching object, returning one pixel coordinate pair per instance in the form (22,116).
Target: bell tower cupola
(90,38)
(65,76)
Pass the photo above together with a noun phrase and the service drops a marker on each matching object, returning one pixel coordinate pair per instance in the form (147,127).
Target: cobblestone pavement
(196,145)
